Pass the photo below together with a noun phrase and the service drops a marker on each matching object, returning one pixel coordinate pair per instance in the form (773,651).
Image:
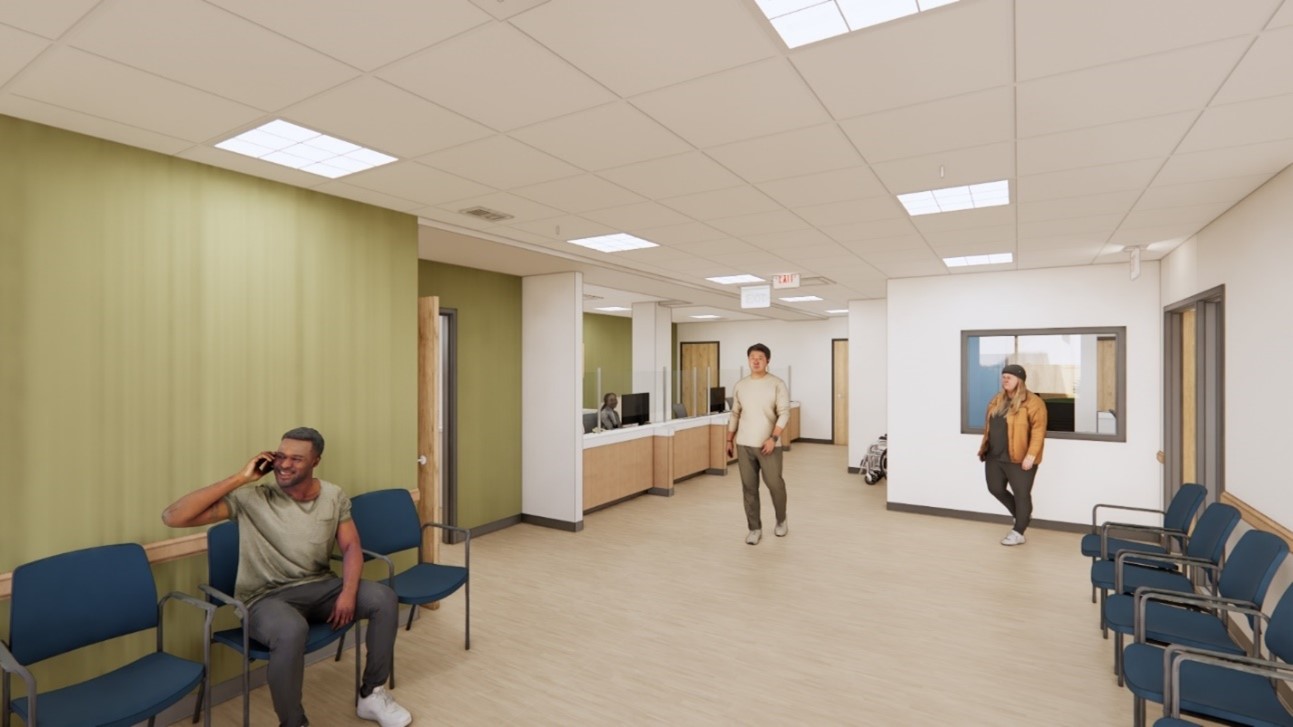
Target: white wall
(932,464)
(552,370)
(868,377)
(803,346)
(652,337)
(1249,249)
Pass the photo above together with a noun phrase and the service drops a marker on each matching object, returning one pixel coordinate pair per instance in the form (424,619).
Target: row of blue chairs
(1175,603)
(74,600)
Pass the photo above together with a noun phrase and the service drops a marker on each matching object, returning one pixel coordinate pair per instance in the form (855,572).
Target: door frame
(1209,363)
(450,454)
(833,392)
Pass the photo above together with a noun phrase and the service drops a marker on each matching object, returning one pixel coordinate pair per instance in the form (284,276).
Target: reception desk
(650,458)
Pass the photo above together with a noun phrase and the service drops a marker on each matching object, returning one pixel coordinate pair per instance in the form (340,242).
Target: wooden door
(840,391)
(698,369)
(1189,402)
(429,501)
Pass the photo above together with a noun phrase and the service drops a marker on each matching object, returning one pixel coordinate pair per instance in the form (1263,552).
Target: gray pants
(750,461)
(281,620)
(1020,504)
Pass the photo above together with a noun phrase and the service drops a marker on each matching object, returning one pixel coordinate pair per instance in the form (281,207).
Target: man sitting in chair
(287,531)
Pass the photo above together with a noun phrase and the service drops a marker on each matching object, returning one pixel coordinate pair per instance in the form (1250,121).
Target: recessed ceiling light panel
(617,242)
(997,258)
(953,199)
(735,279)
(800,22)
(289,145)
(801,299)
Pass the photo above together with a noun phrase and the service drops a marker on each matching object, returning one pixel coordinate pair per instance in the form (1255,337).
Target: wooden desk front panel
(617,470)
(690,451)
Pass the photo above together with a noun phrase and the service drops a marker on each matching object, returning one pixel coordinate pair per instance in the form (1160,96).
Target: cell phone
(264,465)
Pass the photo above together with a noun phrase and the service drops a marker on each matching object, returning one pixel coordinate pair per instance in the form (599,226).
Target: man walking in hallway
(760,412)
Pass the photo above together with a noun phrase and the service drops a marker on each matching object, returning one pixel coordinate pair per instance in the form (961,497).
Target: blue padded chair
(1230,688)
(222,572)
(1174,617)
(1177,517)
(387,521)
(1204,551)
(68,601)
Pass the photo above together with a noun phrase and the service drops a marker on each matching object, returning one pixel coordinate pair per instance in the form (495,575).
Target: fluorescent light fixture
(735,279)
(800,22)
(838,310)
(707,317)
(617,242)
(613,309)
(952,199)
(968,260)
(297,147)
(801,299)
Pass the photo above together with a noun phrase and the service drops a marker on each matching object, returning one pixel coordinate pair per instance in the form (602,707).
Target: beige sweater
(758,406)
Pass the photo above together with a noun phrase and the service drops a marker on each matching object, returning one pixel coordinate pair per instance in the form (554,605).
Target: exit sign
(785,280)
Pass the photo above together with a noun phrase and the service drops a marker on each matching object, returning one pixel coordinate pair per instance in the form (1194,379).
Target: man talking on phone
(287,528)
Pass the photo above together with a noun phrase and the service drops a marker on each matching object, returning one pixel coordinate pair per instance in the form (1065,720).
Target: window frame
(972,423)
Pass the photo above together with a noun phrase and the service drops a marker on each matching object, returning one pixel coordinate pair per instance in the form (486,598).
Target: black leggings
(1020,504)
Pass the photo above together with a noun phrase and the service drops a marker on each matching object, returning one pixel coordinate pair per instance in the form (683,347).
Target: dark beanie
(1016,370)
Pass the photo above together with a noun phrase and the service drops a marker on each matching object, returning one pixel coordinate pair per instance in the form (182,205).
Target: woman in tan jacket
(1014,432)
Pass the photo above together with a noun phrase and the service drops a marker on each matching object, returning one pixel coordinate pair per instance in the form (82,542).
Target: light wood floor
(659,613)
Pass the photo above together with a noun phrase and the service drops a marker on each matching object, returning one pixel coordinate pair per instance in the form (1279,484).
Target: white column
(652,337)
(552,369)
(868,376)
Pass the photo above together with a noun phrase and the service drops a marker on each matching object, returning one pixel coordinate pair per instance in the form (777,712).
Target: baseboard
(808,440)
(495,526)
(986,517)
(855,470)
(662,491)
(547,522)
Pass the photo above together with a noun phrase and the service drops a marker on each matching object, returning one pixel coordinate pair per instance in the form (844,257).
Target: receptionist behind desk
(607,417)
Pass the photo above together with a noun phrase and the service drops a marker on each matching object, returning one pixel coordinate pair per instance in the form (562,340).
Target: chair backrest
(222,558)
(1279,632)
(1185,503)
(67,601)
(590,421)
(1208,540)
(1251,566)
(679,410)
(387,521)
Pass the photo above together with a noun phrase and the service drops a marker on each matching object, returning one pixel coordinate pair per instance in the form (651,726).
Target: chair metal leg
(1104,629)
(341,644)
(152,722)
(246,691)
(1092,594)
(358,682)
(202,693)
(467,628)
(1138,713)
(1117,656)
(412,607)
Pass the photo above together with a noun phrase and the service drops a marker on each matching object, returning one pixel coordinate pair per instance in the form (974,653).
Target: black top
(998,446)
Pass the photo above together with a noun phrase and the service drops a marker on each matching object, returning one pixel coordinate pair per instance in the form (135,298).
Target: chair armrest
(1106,526)
(466,539)
(390,564)
(208,610)
(225,599)
(1176,655)
(1122,557)
(1143,596)
(1126,508)
(9,665)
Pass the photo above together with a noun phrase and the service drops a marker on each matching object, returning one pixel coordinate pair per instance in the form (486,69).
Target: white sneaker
(754,537)
(381,708)
(781,529)
(1013,538)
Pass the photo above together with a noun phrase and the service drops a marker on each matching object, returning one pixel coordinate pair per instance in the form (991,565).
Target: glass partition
(1080,373)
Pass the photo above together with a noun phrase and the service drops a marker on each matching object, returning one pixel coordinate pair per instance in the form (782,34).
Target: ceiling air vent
(672,303)
(486,213)
(815,280)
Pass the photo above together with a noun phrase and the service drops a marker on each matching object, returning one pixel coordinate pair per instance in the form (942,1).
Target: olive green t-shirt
(282,542)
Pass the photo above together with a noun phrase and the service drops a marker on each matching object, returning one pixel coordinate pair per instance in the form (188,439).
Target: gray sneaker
(781,529)
(1014,538)
(754,537)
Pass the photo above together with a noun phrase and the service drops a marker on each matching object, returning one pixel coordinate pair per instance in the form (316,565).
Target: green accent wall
(162,321)
(489,386)
(608,344)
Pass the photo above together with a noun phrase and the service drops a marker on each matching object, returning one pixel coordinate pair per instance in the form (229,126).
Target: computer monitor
(635,409)
(717,398)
